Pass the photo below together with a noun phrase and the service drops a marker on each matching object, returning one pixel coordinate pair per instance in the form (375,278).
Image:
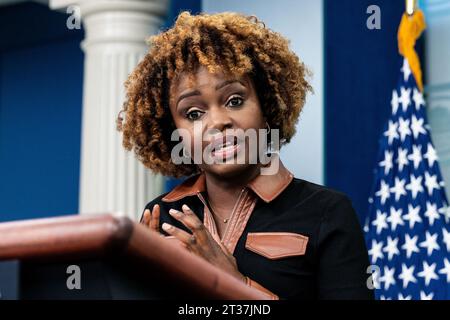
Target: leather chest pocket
(276,245)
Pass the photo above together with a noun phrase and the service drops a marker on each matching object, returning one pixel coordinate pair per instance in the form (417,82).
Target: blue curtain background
(361,70)
(41,70)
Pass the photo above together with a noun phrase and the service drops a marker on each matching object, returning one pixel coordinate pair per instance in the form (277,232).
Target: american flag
(407,227)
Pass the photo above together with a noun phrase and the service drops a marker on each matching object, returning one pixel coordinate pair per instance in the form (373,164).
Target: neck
(223,193)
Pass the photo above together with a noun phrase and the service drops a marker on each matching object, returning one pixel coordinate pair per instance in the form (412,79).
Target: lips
(224,146)
(223,142)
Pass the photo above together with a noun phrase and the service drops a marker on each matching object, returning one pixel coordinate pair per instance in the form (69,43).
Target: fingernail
(185,207)
(166,226)
(175,212)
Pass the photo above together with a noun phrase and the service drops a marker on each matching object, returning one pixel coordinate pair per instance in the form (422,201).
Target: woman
(207,78)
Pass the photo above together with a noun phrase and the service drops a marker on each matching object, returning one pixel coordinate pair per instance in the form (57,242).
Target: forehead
(203,78)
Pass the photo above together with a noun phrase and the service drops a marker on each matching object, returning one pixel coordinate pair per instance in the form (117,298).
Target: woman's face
(216,106)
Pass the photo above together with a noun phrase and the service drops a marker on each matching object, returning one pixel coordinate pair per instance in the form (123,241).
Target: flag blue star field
(407,227)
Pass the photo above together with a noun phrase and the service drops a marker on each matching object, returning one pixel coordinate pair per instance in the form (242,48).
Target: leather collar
(266,187)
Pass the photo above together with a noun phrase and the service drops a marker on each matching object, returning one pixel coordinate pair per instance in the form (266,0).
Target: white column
(111,179)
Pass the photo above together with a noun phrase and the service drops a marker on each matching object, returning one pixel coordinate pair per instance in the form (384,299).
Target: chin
(227,170)
(238,166)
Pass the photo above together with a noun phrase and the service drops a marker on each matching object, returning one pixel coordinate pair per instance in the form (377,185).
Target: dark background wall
(361,70)
(41,79)
(41,70)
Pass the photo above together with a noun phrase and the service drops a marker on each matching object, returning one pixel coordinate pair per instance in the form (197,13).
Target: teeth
(228,144)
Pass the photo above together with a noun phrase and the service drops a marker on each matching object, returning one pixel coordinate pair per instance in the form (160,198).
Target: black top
(335,263)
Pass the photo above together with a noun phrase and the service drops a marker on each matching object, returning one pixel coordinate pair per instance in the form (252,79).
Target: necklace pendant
(225,220)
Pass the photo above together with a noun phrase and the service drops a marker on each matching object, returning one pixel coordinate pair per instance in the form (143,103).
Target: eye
(235,101)
(194,115)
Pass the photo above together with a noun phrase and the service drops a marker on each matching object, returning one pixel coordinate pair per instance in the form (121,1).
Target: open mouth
(225,147)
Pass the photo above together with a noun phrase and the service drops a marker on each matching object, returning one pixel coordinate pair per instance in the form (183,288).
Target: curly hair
(231,43)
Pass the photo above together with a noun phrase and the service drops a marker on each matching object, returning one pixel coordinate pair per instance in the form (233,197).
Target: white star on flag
(431,183)
(375,252)
(391,248)
(394,101)
(395,218)
(415,185)
(403,128)
(445,211)
(413,216)
(424,296)
(431,213)
(446,238)
(399,188)
(410,245)
(388,277)
(391,132)
(387,162)
(430,243)
(380,221)
(402,158)
(428,273)
(407,275)
(406,70)
(416,156)
(431,155)
(402,297)
(446,269)
(418,99)
(417,127)
(383,193)
(405,99)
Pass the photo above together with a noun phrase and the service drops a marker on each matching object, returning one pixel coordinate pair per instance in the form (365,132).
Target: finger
(183,236)
(146,218)
(154,219)
(187,217)
(194,223)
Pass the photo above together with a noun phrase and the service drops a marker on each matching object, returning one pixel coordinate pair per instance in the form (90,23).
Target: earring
(269,145)
(267,127)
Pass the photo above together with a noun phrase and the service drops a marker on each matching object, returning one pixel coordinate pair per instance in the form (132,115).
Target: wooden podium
(114,258)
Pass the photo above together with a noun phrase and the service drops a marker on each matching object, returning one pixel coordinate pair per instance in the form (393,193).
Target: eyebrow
(218,87)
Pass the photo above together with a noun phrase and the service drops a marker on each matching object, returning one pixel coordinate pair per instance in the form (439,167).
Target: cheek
(185,132)
(251,117)
(192,139)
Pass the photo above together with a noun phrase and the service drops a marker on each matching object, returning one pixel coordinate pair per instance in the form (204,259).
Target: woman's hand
(151,218)
(201,241)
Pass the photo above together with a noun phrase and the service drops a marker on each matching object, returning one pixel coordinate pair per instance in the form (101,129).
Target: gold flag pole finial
(410,29)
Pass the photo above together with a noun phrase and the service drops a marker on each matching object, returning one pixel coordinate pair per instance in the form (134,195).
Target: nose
(219,119)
